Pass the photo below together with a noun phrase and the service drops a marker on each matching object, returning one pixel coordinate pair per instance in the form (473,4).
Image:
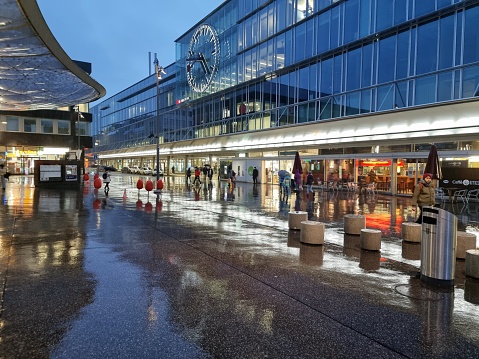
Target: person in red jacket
(197,175)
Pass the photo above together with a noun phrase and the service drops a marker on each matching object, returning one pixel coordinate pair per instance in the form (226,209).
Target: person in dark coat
(255,175)
(309,182)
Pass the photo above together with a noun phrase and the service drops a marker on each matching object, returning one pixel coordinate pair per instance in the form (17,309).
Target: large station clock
(203,58)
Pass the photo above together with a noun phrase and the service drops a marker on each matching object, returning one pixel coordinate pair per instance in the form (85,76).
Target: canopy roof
(35,72)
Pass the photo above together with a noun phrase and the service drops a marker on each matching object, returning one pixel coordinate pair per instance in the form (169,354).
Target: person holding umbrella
(281,175)
(423,194)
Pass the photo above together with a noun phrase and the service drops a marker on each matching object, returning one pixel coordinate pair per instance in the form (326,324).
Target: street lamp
(159,70)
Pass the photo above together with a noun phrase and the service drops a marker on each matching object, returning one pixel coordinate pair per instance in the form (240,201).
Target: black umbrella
(433,166)
(297,163)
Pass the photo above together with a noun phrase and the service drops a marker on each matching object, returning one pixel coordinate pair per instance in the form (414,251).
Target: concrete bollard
(295,218)
(472,263)
(312,232)
(353,223)
(411,232)
(464,242)
(370,239)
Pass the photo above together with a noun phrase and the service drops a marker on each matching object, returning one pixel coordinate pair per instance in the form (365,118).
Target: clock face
(203,57)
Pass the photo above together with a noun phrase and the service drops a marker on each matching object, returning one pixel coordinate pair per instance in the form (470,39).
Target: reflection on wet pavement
(215,272)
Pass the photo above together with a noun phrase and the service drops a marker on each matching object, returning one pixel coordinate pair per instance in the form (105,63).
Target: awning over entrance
(35,72)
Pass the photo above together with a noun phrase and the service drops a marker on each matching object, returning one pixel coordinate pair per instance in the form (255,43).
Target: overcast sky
(115,36)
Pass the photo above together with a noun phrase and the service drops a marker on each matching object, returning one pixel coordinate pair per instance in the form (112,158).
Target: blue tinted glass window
(444,87)
(337,106)
(289,43)
(327,77)
(352,104)
(353,76)
(400,11)
(400,95)
(351,21)
(384,14)
(300,42)
(263,24)
(402,61)
(386,61)
(366,65)
(423,7)
(321,4)
(459,37)
(385,98)
(365,101)
(446,42)
(313,76)
(365,18)
(290,12)
(335,27)
(325,108)
(470,82)
(425,90)
(471,35)
(280,14)
(280,51)
(443,3)
(337,74)
(303,87)
(323,32)
(310,39)
(427,39)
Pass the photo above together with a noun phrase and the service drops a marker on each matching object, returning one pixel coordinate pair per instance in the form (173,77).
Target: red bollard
(96,175)
(139,184)
(86,177)
(97,183)
(149,185)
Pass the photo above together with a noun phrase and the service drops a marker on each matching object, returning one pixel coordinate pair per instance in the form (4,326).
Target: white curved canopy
(35,72)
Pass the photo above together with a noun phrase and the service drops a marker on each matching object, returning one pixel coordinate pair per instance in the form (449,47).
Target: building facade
(352,85)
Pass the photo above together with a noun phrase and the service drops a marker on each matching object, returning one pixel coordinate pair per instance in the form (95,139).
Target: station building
(352,85)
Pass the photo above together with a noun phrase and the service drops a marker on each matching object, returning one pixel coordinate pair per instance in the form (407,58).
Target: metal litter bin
(438,246)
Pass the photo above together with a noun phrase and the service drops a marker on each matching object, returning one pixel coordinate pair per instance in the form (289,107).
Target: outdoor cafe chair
(461,194)
(473,193)
(439,194)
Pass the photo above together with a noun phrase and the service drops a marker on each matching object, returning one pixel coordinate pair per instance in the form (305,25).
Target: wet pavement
(213,273)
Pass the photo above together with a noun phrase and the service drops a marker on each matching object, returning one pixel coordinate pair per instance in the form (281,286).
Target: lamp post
(159,70)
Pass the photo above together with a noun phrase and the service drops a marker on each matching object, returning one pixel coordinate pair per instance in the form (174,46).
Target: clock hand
(204,64)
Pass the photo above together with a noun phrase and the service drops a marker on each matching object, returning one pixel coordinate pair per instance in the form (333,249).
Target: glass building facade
(285,63)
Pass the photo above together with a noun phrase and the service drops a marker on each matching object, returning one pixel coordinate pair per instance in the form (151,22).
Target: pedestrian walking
(106,181)
(255,175)
(188,176)
(423,194)
(287,184)
(3,175)
(210,174)
(197,176)
(309,182)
